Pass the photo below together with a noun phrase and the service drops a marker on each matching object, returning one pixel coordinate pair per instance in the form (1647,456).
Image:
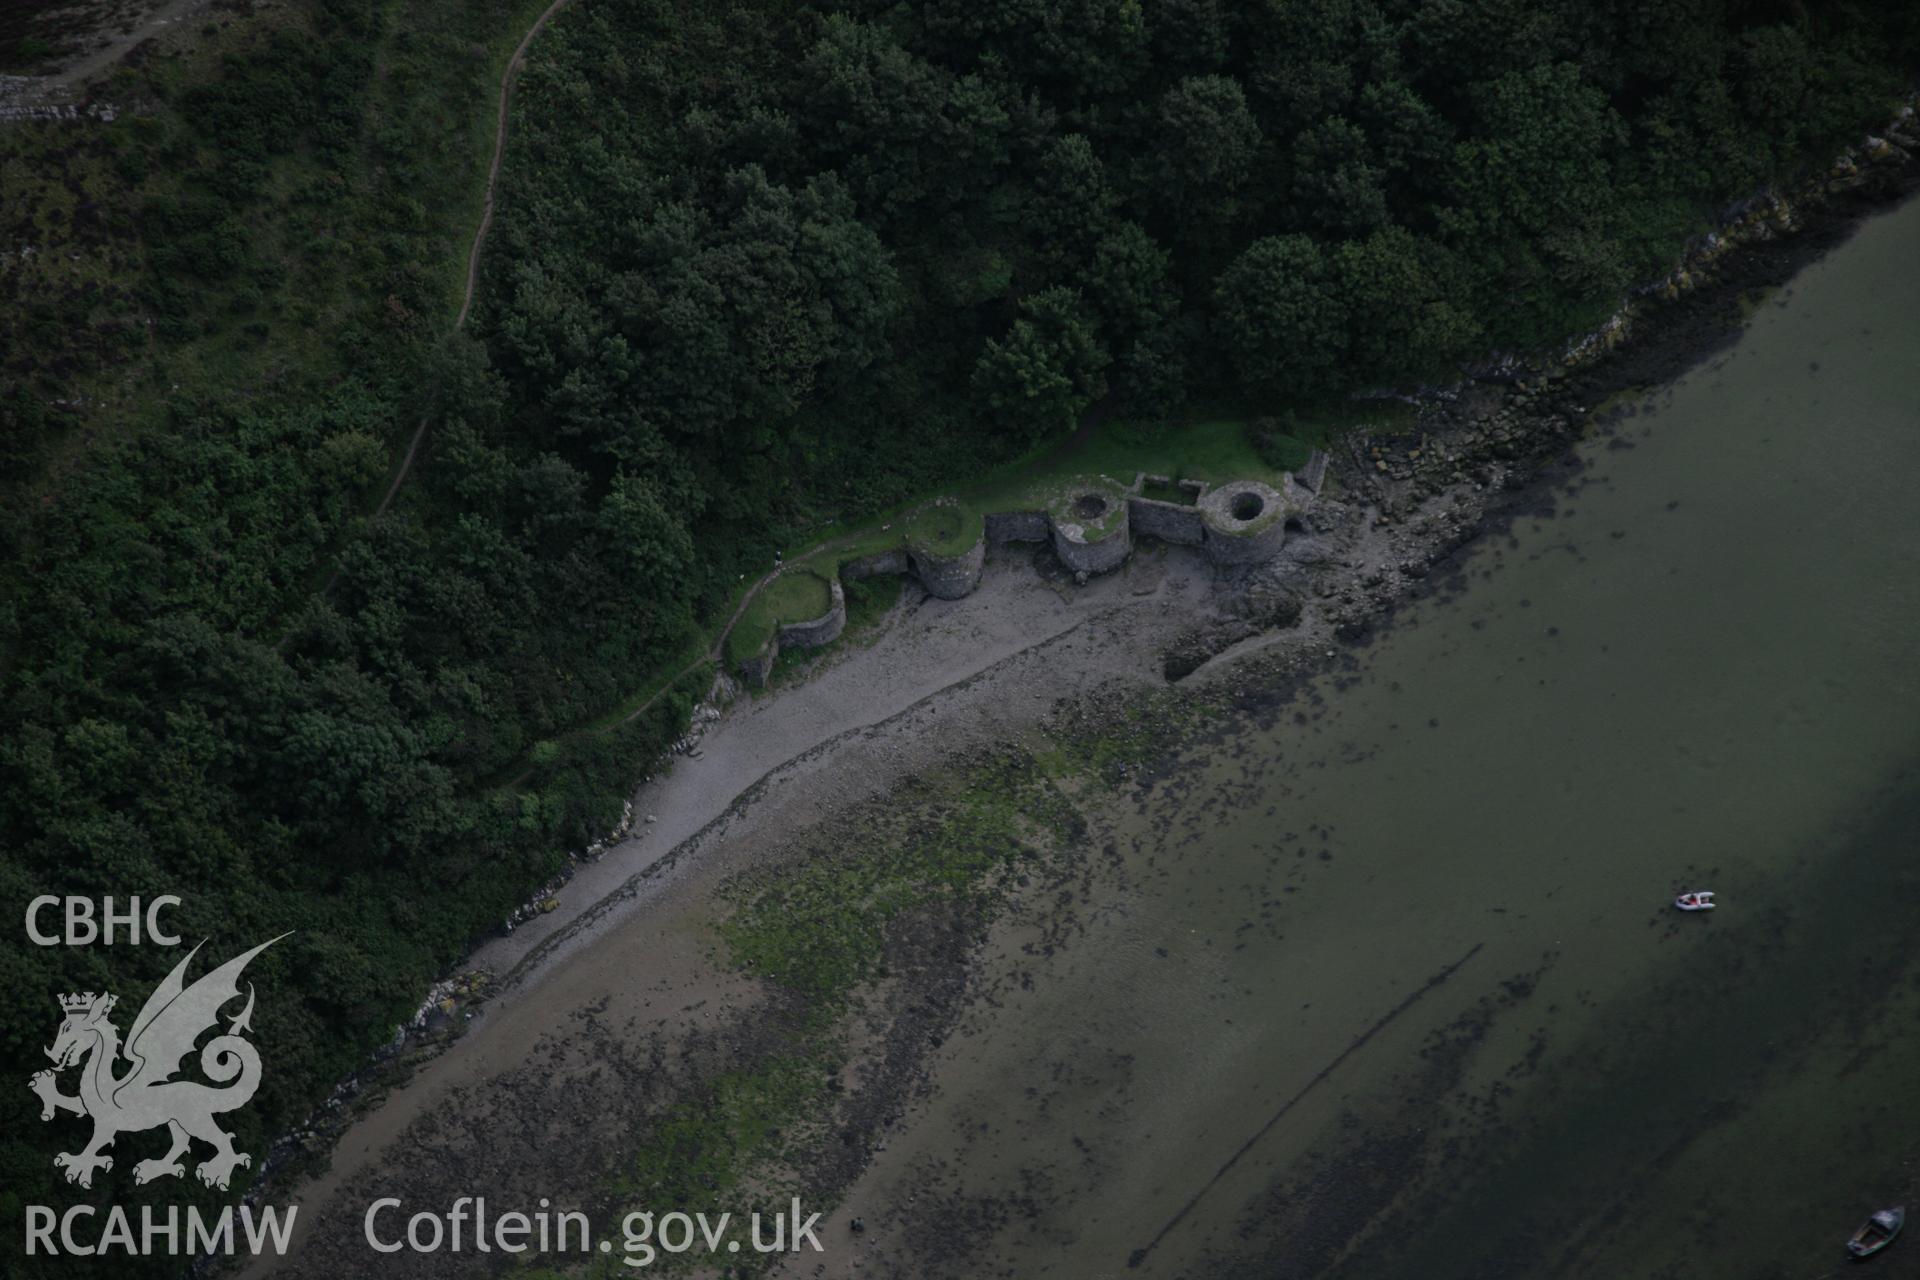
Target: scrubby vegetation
(756,269)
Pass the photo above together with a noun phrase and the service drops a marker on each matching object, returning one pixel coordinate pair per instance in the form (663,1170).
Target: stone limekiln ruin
(1091,524)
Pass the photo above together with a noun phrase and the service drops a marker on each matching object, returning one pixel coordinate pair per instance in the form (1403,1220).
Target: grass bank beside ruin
(798,594)
(1214,445)
(869,600)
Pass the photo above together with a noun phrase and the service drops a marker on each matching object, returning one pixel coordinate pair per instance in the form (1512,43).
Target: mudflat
(1356,965)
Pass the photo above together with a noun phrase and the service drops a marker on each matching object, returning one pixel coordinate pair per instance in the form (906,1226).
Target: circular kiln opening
(1089,506)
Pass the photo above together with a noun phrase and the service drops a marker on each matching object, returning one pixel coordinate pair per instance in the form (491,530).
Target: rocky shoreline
(1397,510)
(1497,443)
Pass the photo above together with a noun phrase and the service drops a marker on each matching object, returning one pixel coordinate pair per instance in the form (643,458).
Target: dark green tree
(1337,185)
(1280,315)
(1071,204)
(1402,317)
(1542,152)
(1130,281)
(1204,145)
(1048,368)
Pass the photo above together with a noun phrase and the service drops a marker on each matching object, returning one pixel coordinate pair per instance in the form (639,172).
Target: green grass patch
(711,1154)
(819,927)
(1169,492)
(868,601)
(797,595)
(943,527)
(1111,742)
(818,924)
(699,1153)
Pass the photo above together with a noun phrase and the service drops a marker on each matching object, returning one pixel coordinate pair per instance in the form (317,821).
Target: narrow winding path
(713,652)
(718,647)
(507,78)
(720,641)
(499,151)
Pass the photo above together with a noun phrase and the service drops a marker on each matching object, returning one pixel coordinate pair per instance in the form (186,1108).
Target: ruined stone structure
(894,561)
(1246,522)
(810,634)
(949,577)
(1091,530)
(1091,525)
(1314,474)
(824,629)
(1175,522)
(756,669)
(1017,526)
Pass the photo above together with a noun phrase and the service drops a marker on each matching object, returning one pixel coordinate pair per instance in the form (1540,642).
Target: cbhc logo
(82,928)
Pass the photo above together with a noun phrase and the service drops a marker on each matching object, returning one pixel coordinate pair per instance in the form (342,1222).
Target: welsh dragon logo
(146,1095)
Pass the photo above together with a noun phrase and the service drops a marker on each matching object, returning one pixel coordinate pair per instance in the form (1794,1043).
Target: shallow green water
(1699,671)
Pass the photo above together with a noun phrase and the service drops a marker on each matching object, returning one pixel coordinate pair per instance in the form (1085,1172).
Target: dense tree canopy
(1281,313)
(756,267)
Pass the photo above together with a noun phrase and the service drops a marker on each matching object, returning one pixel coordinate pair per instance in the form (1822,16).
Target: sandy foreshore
(942,678)
(616,1006)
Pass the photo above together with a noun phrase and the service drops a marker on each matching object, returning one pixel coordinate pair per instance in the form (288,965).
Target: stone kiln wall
(950,577)
(815,632)
(1209,524)
(756,669)
(1232,539)
(1017,526)
(810,634)
(894,561)
(1314,474)
(1250,548)
(1098,555)
(1167,521)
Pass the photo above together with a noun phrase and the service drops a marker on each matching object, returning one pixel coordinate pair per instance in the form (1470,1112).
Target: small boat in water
(1877,1232)
(1697,900)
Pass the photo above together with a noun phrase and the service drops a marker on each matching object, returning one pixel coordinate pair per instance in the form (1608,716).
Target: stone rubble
(1402,503)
